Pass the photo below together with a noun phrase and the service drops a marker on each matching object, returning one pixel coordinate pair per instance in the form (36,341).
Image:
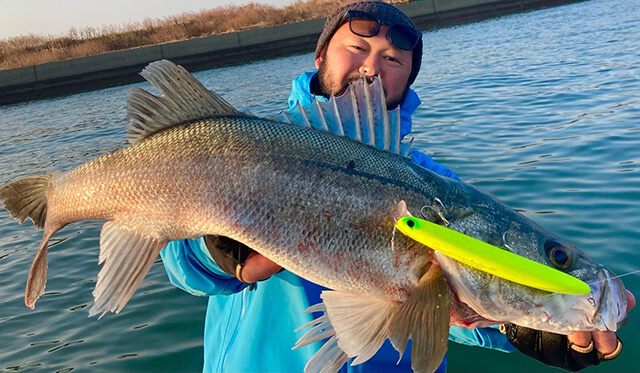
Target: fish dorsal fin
(183,99)
(359,114)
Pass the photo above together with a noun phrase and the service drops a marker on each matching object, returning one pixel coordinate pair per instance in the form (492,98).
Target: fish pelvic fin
(359,114)
(183,99)
(355,325)
(424,318)
(329,358)
(127,256)
(26,199)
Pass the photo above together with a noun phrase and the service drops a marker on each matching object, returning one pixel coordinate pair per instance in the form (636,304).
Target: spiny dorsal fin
(359,114)
(183,99)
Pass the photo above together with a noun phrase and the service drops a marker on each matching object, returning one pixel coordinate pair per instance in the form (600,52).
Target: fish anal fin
(183,99)
(127,256)
(361,323)
(424,318)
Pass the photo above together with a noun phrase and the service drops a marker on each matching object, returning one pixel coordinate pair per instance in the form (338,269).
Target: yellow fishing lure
(490,259)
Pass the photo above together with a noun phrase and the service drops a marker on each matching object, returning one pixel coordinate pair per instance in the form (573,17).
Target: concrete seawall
(122,67)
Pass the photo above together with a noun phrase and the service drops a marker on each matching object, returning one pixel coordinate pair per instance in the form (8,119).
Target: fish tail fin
(37,279)
(26,199)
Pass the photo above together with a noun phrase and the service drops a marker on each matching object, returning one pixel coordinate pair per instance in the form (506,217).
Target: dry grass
(36,49)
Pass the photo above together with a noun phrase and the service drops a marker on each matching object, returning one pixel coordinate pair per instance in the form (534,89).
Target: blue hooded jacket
(253,331)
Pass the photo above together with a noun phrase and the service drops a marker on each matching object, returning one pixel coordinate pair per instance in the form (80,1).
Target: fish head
(491,299)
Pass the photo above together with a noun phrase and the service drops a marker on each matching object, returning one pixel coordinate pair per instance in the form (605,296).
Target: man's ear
(319,59)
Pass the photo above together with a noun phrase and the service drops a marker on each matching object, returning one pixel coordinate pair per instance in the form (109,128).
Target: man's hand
(574,352)
(604,342)
(240,260)
(257,268)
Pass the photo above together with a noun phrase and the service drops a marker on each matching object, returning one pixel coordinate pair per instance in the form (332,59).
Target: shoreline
(122,67)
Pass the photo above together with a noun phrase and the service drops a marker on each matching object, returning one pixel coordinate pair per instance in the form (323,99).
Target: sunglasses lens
(367,25)
(403,37)
(363,24)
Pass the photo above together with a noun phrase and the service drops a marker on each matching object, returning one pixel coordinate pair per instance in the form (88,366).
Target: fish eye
(558,255)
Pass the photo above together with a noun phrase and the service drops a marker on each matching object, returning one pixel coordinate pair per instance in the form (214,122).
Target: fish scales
(245,178)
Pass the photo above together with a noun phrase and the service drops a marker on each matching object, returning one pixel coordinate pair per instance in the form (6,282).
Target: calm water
(541,109)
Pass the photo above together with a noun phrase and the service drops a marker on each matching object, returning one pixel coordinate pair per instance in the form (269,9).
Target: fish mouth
(611,306)
(497,301)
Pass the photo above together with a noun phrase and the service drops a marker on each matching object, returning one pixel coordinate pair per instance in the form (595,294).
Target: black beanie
(386,13)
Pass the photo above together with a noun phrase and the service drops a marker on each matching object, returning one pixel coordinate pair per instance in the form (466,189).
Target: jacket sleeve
(190,267)
(428,163)
(484,337)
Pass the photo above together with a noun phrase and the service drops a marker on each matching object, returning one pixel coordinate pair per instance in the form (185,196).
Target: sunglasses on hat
(367,25)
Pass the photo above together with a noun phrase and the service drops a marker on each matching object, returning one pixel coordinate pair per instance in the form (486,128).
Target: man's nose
(370,66)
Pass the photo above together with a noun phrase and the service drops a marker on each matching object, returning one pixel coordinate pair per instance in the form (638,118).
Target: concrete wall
(122,67)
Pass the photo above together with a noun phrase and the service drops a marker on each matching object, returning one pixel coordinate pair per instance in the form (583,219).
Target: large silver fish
(319,196)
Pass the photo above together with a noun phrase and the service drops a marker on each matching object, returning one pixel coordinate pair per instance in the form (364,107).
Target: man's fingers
(580,339)
(631,300)
(257,268)
(605,342)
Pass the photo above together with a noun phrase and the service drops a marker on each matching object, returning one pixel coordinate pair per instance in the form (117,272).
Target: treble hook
(504,241)
(435,208)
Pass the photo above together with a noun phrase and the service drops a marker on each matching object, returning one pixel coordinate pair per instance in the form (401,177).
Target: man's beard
(324,80)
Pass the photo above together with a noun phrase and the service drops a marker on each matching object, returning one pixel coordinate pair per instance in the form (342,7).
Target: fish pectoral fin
(357,325)
(424,318)
(127,256)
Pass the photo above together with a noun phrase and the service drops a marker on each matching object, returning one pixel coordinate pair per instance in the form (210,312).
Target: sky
(56,17)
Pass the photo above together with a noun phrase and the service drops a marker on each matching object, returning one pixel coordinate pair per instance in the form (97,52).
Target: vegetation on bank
(34,49)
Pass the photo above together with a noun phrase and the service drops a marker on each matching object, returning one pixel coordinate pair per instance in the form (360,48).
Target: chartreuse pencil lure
(489,258)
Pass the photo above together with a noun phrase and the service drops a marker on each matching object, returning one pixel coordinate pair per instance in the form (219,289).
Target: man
(251,327)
